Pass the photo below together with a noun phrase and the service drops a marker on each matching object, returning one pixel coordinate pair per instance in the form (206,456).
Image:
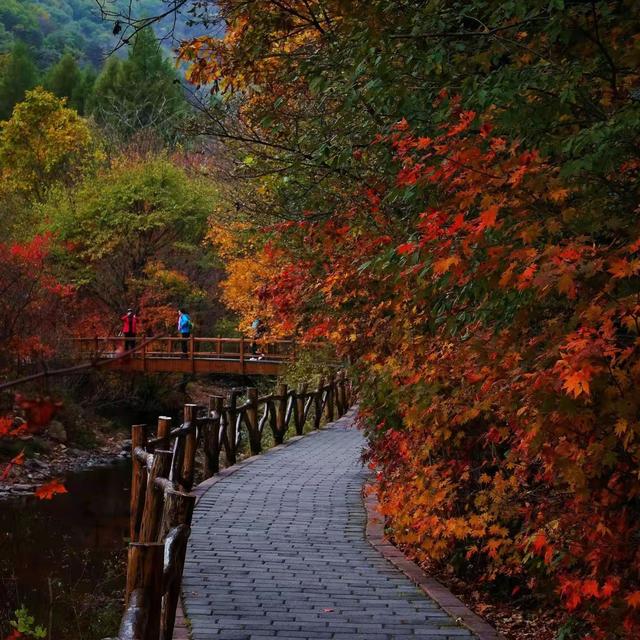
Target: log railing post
(211,436)
(144,589)
(242,354)
(154,498)
(138,482)
(331,398)
(281,412)
(175,553)
(176,523)
(164,427)
(341,399)
(251,420)
(317,402)
(298,408)
(190,447)
(178,509)
(232,426)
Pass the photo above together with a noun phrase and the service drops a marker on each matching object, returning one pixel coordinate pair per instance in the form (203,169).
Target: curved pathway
(278,550)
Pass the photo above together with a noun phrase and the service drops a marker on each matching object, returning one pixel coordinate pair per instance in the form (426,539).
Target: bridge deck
(278,550)
(200,365)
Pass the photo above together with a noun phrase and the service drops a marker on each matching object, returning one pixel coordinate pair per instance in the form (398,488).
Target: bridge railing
(240,349)
(165,463)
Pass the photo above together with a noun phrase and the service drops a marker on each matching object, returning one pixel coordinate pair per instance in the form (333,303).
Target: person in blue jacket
(184,329)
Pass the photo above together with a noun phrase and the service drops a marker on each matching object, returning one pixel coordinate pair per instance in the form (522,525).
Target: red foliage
(50,489)
(499,346)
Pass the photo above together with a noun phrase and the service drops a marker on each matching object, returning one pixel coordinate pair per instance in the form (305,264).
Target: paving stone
(278,550)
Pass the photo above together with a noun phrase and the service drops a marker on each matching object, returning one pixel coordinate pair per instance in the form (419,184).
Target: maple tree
(32,305)
(454,191)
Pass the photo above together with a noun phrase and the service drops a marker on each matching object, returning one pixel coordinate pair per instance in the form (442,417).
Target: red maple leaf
(47,491)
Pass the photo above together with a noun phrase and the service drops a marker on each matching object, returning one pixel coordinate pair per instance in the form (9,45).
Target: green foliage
(43,144)
(134,229)
(53,27)
(25,624)
(67,80)
(139,94)
(227,328)
(310,363)
(18,74)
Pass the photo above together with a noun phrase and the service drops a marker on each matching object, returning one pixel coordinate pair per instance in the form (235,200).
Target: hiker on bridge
(184,329)
(259,329)
(129,328)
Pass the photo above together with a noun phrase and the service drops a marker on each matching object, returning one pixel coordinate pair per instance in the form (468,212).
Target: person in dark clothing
(259,329)
(129,328)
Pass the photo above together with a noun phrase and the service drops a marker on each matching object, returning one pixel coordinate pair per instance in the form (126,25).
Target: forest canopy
(52,28)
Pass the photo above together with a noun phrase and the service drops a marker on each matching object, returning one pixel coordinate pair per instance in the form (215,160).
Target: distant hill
(53,27)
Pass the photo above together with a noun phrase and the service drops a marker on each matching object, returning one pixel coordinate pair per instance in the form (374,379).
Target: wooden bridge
(240,356)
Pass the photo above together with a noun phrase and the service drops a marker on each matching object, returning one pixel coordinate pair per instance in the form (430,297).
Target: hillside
(52,27)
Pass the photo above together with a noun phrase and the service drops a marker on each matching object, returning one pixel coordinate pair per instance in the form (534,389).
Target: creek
(64,559)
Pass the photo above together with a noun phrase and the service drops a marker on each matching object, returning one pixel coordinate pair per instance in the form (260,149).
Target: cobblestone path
(278,550)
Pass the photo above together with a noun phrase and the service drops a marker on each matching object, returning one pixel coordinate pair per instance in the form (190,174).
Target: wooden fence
(164,472)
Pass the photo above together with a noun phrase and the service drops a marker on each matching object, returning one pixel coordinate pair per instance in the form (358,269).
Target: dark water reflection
(64,559)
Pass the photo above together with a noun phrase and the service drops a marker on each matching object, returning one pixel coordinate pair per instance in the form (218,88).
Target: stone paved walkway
(278,551)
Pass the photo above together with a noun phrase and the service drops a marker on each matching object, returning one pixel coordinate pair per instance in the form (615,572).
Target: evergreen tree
(141,93)
(17,75)
(67,80)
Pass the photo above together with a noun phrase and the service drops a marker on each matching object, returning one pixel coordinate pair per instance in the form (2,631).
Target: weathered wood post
(338,397)
(144,591)
(251,420)
(178,509)
(341,396)
(163,431)
(211,436)
(164,428)
(331,396)
(153,503)
(138,481)
(175,552)
(190,447)
(298,407)
(232,426)
(175,529)
(280,403)
(317,402)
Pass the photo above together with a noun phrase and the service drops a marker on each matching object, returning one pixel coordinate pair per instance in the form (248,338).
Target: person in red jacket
(129,327)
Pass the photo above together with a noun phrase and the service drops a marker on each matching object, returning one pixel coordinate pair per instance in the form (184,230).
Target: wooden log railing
(165,466)
(200,347)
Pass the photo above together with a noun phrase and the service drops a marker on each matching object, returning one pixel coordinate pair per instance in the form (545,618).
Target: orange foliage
(499,343)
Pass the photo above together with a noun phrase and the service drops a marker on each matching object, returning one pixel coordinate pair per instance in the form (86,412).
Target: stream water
(64,559)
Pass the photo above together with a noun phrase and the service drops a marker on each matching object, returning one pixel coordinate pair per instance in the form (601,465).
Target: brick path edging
(181,629)
(434,589)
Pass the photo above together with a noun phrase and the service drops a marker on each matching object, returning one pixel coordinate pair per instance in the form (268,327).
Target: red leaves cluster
(32,302)
(498,339)
(50,489)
